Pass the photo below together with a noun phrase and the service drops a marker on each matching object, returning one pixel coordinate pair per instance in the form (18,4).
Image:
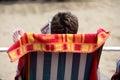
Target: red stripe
(52,47)
(80,37)
(73,38)
(77,47)
(18,52)
(90,38)
(29,47)
(35,36)
(24,39)
(103,35)
(93,74)
(66,38)
(64,46)
(62,37)
(47,47)
(16,45)
(57,38)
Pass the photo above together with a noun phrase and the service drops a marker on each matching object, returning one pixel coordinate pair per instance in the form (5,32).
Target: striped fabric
(58,56)
(80,43)
(59,66)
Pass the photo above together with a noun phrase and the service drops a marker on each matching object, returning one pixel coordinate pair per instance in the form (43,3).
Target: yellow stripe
(100,38)
(90,47)
(13,55)
(78,38)
(63,37)
(20,42)
(45,37)
(43,47)
(30,38)
(24,49)
(69,47)
(36,47)
(85,47)
(83,38)
(72,47)
(58,47)
(70,38)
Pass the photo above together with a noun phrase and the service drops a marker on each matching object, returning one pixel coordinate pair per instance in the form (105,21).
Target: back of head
(64,23)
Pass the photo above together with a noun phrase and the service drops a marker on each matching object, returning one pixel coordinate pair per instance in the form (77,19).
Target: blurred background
(32,15)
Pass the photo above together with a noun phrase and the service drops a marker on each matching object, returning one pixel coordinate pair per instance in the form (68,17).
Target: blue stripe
(33,61)
(75,66)
(61,66)
(88,66)
(47,65)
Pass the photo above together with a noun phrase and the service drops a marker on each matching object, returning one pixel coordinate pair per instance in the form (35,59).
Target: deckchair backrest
(60,66)
(58,56)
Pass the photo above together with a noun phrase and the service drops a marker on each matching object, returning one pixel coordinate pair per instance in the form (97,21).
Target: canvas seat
(58,56)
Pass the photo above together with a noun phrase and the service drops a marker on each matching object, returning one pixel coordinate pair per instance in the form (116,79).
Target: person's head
(64,23)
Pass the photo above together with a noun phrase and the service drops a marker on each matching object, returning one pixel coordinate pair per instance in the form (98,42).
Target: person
(17,33)
(64,23)
(61,23)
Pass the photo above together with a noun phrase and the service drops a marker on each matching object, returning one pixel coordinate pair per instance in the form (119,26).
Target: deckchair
(116,75)
(58,56)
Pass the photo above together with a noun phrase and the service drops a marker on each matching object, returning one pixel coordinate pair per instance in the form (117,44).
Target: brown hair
(64,22)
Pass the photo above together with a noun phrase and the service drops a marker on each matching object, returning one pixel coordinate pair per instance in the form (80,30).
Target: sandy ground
(31,17)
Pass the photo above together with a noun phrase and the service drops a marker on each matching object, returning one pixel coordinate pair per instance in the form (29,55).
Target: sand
(30,16)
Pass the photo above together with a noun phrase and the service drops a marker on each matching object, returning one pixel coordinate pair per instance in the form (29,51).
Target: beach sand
(30,16)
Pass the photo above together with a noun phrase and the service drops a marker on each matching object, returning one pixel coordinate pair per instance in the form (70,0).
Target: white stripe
(68,66)
(54,66)
(82,66)
(39,70)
